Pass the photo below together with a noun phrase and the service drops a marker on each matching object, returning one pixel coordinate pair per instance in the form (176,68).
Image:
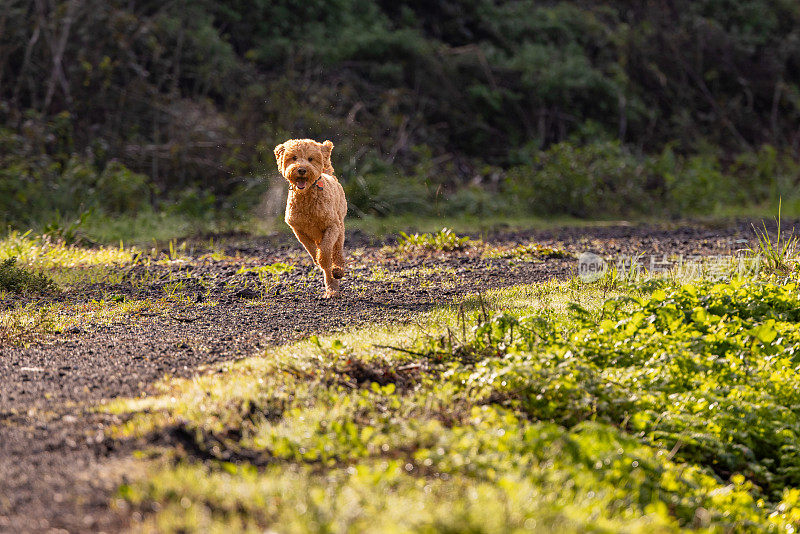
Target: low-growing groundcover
(19,280)
(677,410)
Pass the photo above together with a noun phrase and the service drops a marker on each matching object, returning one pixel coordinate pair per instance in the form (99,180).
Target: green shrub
(606,179)
(588,181)
(692,185)
(473,200)
(193,203)
(37,188)
(18,280)
(765,174)
(374,187)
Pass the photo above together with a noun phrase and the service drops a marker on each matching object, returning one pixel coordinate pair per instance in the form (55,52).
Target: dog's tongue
(301,184)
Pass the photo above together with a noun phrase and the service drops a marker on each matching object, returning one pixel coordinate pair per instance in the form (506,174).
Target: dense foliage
(181,101)
(659,413)
(19,280)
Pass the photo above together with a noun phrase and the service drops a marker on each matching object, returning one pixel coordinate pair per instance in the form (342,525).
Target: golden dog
(316,206)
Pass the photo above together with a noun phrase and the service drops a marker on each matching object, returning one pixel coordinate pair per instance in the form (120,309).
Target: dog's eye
(294,158)
(311,160)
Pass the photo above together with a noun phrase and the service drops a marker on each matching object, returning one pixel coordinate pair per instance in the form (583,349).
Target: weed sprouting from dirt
(444,240)
(269,276)
(527,252)
(781,257)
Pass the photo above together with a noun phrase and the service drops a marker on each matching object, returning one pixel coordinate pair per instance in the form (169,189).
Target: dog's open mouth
(300,184)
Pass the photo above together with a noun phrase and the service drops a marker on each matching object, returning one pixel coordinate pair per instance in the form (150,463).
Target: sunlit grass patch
(635,274)
(445,240)
(27,324)
(438,270)
(66,265)
(268,276)
(494,474)
(586,407)
(43,253)
(379,273)
(531,251)
(35,321)
(437,277)
(274,269)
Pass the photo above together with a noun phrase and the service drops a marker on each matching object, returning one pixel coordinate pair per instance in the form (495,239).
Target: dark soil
(58,471)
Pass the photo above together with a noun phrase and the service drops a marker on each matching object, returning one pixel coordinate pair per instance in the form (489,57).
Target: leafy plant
(19,280)
(70,233)
(690,369)
(584,181)
(444,240)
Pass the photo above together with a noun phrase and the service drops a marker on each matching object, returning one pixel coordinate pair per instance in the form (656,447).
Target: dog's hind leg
(338,254)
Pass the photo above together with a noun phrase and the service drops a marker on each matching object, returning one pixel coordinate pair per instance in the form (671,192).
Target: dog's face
(302,161)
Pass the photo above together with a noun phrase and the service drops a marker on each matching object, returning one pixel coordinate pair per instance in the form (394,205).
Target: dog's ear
(279,150)
(327,148)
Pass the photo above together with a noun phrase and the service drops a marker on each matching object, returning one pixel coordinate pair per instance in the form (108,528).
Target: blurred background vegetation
(588,109)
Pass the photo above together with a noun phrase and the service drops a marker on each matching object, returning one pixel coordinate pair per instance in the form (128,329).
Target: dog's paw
(337,272)
(332,293)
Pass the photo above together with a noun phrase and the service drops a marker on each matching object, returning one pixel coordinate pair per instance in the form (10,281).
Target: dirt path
(58,472)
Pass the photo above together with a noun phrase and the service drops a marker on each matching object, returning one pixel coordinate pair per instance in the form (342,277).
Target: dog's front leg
(338,253)
(308,243)
(325,260)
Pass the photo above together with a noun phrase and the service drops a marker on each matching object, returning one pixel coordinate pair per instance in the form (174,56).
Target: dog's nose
(301,172)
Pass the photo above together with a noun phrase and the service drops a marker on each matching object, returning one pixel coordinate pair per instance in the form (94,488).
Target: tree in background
(184,99)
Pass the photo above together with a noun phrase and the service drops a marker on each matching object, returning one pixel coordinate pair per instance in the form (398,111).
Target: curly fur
(316,207)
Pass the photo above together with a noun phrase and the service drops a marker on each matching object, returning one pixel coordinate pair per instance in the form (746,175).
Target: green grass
(529,252)
(444,240)
(42,266)
(553,408)
(148,227)
(66,265)
(32,322)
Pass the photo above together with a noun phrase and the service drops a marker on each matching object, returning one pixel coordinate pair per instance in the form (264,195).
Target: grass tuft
(779,257)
